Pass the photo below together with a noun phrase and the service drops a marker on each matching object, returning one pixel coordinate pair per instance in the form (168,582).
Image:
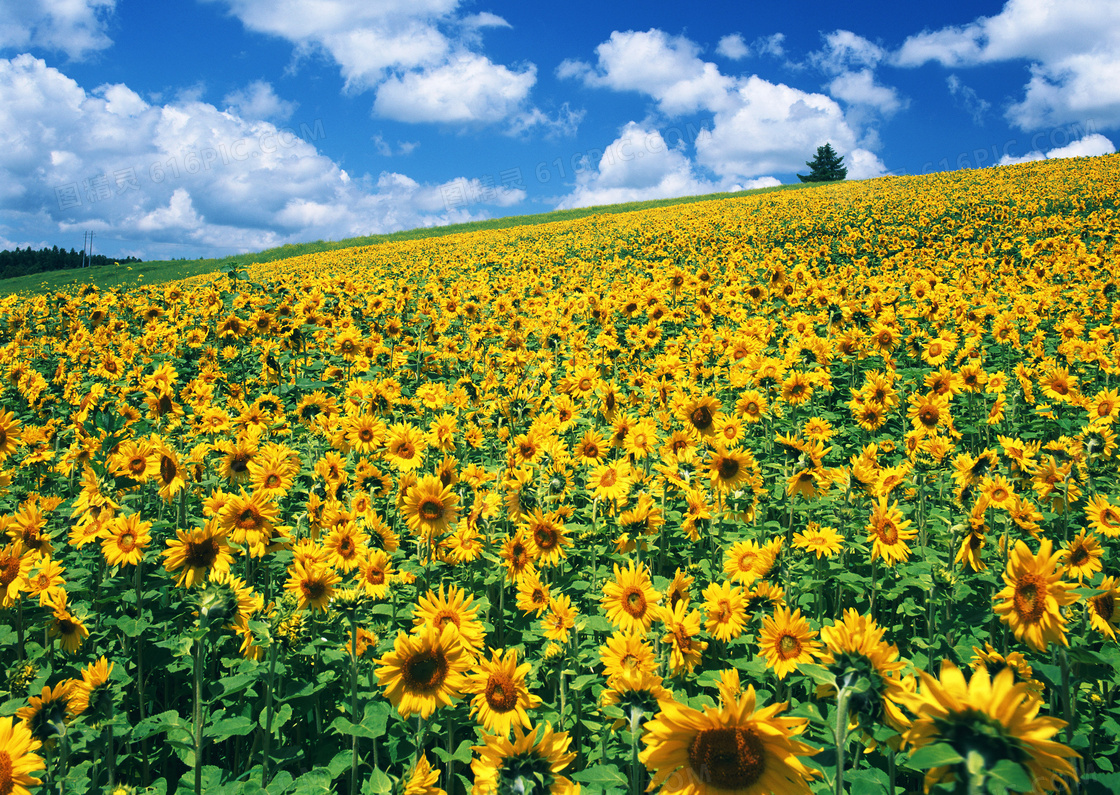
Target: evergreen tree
(827,166)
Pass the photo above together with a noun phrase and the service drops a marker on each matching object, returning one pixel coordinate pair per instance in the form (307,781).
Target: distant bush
(23,262)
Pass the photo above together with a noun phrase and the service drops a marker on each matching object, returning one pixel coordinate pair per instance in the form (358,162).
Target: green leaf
(818,673)
(344,726)
(229,727)
(934,755)
(313,783)
(606,776)
(378,784)
(1011,775)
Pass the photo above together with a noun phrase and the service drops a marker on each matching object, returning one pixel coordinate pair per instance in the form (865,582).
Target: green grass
(158,271)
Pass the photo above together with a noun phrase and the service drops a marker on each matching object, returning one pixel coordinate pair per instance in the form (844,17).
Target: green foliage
(826,166)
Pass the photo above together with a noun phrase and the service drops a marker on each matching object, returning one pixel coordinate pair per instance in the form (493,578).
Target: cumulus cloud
(420,57)
(640,165)
(469,88)
(74,27)
(258,100)
(1088,146)
(186,175)
(851,61)
(1073,48)
(733,47)
(759,128)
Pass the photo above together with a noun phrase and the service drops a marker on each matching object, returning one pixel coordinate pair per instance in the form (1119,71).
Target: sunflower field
(804,491)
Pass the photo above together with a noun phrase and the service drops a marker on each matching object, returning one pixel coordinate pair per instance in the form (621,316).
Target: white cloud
(771,130)
(774,44)
(637,166)
(168,178)
(258,100)
(968,99)
(74,27)
(851,60)
(1073,48)
(419,56)
(1088,146)
(760,127)
(860,88)
(468,88)
(733,47)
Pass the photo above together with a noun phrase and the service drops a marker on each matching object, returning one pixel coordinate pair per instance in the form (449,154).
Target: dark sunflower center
(248,519)
(201,554)
(365,434)
(426,670)
(9,570)
(501,693)
(701,418)
(167,469)
(1105,605)
(730,758)
(126,541)
(929,416)
(239,463)
(888,533)
(1079,556)
(1030,598)
(315,589)
(431,510)
(137,465)
(728,468)
(545,538)
(272,481)
(789,646)
(635,603)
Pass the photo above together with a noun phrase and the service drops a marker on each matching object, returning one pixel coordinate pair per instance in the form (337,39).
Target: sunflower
(501,697)
(992,718)
(889,533)
(1103,516)
(421,780)
(451,607)
(18,758)
(626,651)
(250,520)
(425,670)
(1034,594)
(591,448)
(430,507)
(9,434)
(518,553)
(854,648)
(347,546)
(736,748)
(170,475)
(824,541)
(46,581)
(549,537)
(927,413)
(797,388)
(725,611)
(311,584)
(682,627)
(404,447)
(374,573)
(700,415)
(532,594)
(610,481)
(630,600)
(993,662)
(678,590)
(533,759)
(124,540)
(1103,615)
(559,619)
(15,565)
(786,641)
(195,553)
(746,561)
(730,469)
(273,472)
(68,628)
(47,714)
(92,694)
(1082,556)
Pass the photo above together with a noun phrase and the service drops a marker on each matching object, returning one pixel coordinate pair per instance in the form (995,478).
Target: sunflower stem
(268,711)
(841,736)
(353,703)
(199,660)
(1067,695)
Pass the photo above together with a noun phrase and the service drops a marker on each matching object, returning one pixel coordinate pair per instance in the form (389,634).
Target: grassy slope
(164,271)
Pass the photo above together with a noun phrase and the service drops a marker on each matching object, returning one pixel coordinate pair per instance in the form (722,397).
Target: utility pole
(87,249)
(85,245)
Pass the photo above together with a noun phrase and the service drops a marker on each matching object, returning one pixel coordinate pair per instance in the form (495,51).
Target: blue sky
(187,128)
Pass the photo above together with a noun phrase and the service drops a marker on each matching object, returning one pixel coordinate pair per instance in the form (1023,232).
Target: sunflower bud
(217,605)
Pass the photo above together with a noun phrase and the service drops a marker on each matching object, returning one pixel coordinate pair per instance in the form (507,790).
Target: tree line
(22,262)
